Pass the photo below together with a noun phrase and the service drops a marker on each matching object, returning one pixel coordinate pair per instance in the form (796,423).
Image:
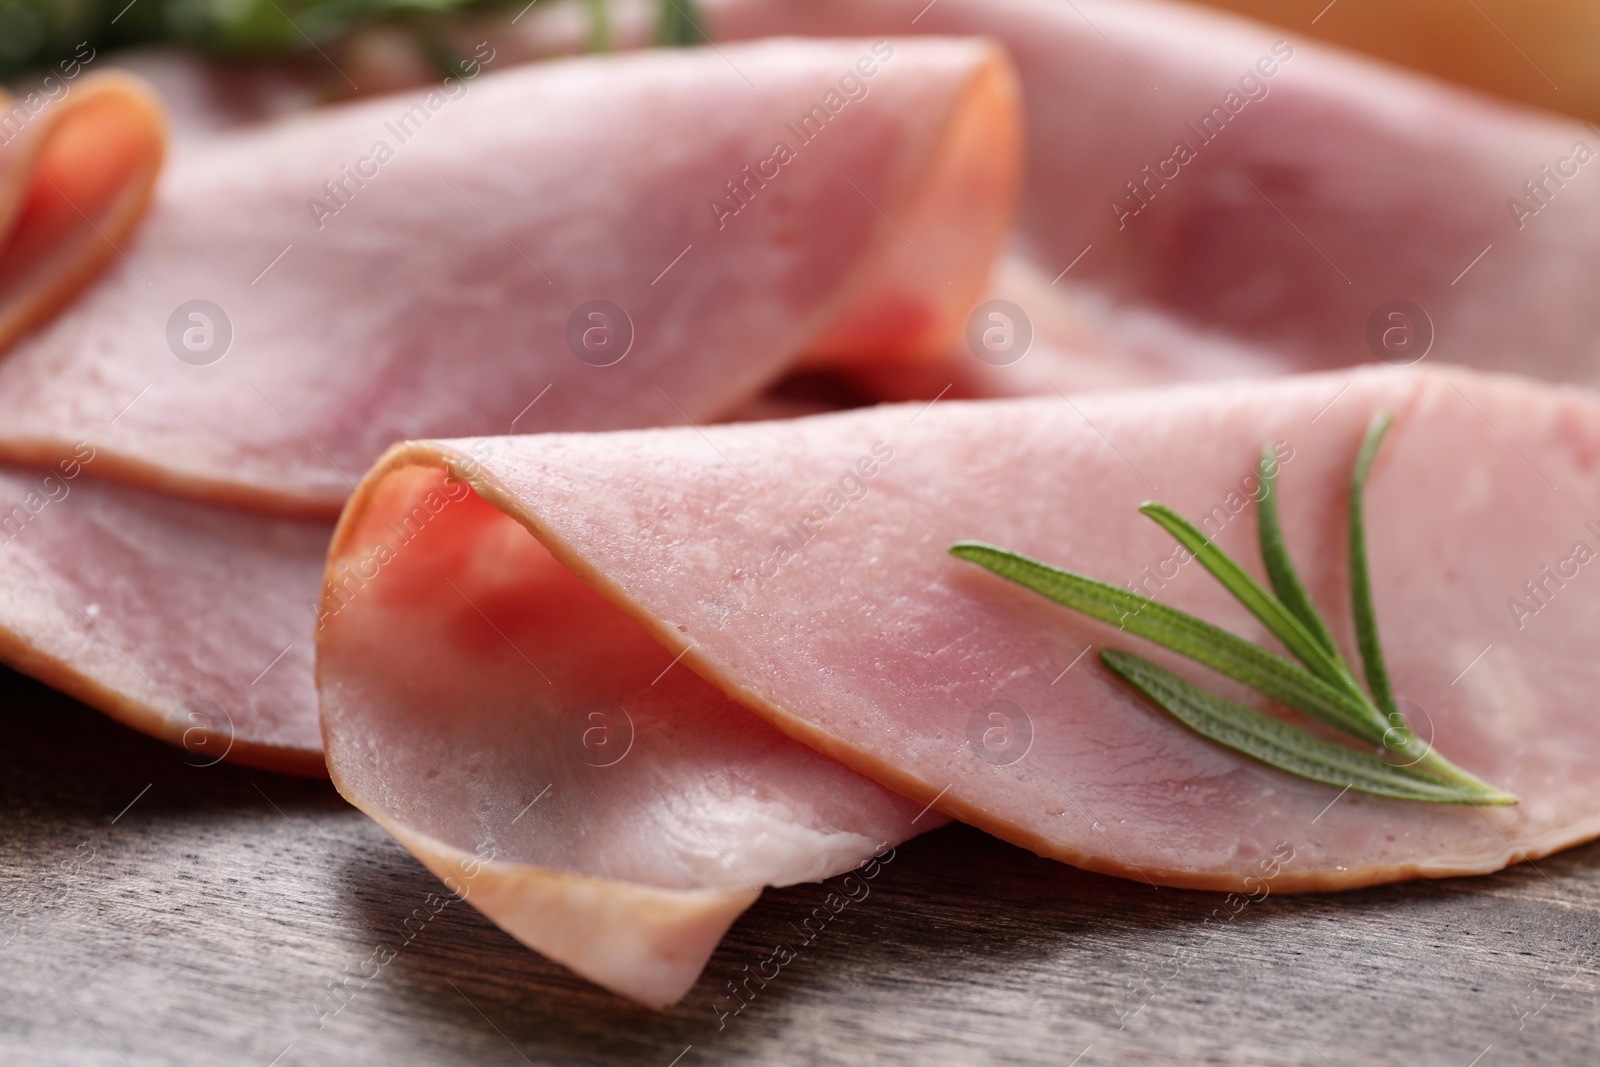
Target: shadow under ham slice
(801,568)
(435,286)
(1337,186)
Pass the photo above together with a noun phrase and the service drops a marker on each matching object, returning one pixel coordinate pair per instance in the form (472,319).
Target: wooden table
(157,913)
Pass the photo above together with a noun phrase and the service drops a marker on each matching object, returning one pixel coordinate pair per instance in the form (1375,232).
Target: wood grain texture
(205,924)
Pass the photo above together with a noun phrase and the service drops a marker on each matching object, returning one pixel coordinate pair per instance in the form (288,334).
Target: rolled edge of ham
(552,763)
(954,220)
(76,175)
(1396,182)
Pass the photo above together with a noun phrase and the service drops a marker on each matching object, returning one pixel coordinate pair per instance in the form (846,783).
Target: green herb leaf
(1279,744)
(1365,614)
(1179,631)
(1280,568)
(599,25)
(1247,591)
(678,24)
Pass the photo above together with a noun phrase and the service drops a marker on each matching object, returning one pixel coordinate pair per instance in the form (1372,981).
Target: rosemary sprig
(1325,688)
(38,33)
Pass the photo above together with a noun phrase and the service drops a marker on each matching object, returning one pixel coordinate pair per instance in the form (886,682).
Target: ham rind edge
(870,644)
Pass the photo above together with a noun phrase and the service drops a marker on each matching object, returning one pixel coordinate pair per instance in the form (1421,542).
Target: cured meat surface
(77,164)
(306,293)
(264,337)
(184,621)
(1304,202)
(554,764)
(803,566)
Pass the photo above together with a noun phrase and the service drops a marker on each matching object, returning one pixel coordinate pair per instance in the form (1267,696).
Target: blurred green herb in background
(34,33)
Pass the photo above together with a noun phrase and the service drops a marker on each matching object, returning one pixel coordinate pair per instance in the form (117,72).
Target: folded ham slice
(1305,200)
(551,761)
(652,238)
(186,622)
(801,568)
(78,160)
(436,296)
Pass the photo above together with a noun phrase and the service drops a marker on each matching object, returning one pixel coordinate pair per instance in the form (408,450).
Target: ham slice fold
(437,299)
(1315,196)
(77,165)
(551,761)
(800,568)
(419,265)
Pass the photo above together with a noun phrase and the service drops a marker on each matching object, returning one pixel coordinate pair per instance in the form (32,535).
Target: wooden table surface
(158,913)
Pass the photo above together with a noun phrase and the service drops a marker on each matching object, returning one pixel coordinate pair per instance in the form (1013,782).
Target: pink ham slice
(437,299)
(550,761)
(844,622)
(184,621)
(1349,185)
